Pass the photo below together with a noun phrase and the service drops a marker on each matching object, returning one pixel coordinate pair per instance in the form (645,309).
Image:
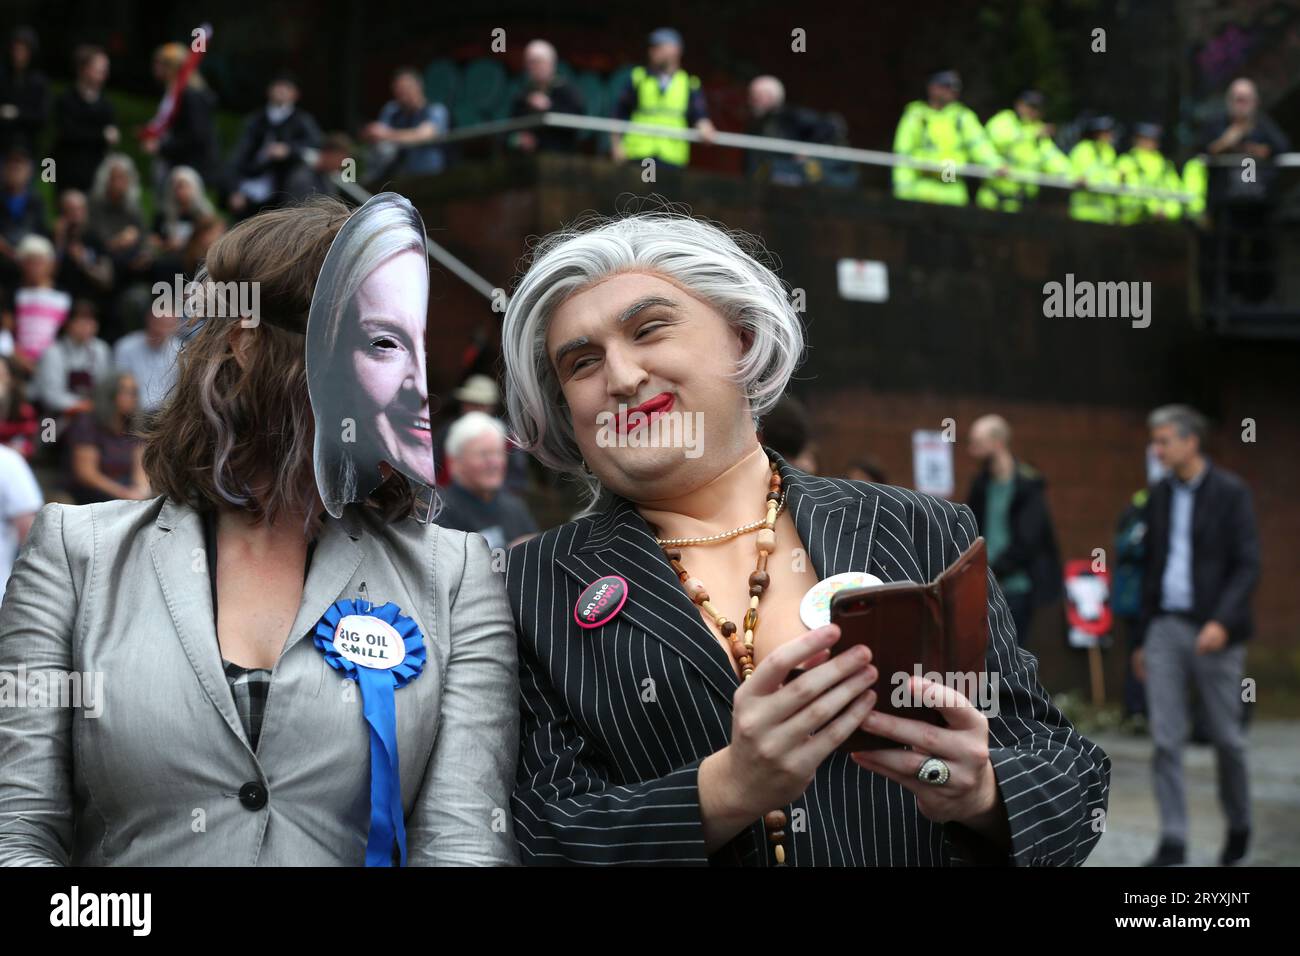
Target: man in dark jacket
(546,92)
(271,162)
(24,95)
(1202,567)
(85,125)
(1009,500)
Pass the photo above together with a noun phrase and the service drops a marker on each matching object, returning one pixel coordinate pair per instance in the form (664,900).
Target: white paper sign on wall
(862,280)
(932,470)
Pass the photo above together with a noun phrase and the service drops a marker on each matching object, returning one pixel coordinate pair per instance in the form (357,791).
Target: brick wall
(962,334)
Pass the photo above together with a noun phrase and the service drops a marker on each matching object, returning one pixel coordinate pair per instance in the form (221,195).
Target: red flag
(162,120)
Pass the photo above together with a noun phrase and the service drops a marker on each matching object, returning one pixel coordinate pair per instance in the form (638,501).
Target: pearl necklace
(721,535)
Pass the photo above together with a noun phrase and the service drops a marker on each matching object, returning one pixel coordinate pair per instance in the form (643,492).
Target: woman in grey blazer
(168,703)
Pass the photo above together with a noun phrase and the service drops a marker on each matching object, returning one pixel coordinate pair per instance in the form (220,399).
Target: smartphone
(898,623)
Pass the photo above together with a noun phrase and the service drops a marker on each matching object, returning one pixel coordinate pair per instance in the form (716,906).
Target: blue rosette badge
(381,649)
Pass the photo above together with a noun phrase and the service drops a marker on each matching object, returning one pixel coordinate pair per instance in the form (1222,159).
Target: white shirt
(64,361)
(154,369)
(19,495)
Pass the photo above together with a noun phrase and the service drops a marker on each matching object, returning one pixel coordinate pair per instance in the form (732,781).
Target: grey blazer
(158,769)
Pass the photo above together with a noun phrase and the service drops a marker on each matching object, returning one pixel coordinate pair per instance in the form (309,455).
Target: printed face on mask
(387,359)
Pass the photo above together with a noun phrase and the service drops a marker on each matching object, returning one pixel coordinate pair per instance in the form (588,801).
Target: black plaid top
(249,686)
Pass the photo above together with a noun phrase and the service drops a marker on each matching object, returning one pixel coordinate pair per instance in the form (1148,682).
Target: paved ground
(1132,828)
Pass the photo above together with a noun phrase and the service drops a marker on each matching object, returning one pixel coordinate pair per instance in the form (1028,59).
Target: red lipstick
(661,403)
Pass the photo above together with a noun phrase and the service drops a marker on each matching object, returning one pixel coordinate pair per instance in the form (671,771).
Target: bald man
(546,92)
(1010,504)
(1241,206)
(771,116)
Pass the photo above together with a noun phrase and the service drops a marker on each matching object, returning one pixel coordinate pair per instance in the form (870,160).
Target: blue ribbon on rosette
(377,683)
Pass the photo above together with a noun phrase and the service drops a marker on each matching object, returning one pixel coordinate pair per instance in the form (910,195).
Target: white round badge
(815,608)
(369,642)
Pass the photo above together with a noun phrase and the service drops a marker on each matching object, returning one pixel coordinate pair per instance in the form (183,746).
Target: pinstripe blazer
(615,720)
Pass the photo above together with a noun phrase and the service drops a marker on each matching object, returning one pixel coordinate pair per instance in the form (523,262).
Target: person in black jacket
(546,92)
(24,95)
(270,164)
(190,137)
(85,124)
(1202,567)
(1009,499)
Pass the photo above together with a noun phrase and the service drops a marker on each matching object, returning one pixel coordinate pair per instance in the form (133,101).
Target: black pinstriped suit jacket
(615,720)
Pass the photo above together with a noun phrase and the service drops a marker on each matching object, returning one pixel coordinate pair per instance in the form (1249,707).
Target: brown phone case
(942,626)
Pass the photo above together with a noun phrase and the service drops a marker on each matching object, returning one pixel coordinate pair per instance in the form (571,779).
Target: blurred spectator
(189,137)
(24,94)
(270,163)
(39,309)
(476,499)
(404,135)
(207,231)
(545,92)
(106,458)
(1025,144)
(85,124)
(771,116)
(327,163)
(661,94)
(940,129)
(479,393)
(1240,206)
(116,220)
(69,369)
(84,269)
(1093,160)
(1009,500)
(786,431)
(150,355)
(1202,566)
(1242,128)
(1126,590)
(20,499)
(18,423)
(185,225)
(1145,166)
(866,469)
(21,212)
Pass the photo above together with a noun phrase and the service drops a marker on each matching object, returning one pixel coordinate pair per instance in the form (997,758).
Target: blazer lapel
(835,523)
(181,565)
(333,564)
(180,561)
(619,542)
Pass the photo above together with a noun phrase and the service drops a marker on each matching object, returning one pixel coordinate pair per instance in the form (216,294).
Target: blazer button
(253,795)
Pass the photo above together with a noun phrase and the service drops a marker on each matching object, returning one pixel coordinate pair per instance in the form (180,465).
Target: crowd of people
(942,130)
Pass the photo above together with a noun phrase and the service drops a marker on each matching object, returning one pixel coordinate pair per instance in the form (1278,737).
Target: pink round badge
(600,601)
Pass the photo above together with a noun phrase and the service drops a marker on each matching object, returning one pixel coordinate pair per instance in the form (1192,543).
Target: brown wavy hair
(241,436)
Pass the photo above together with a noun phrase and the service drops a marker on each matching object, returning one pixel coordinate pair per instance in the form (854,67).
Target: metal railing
(844,154)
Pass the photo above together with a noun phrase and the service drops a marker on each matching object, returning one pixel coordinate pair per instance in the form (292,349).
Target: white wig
(720,267)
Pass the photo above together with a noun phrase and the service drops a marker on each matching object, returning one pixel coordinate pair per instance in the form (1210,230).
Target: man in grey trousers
(1202,566)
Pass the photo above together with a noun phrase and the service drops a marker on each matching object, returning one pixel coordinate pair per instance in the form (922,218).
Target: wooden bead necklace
(742,640)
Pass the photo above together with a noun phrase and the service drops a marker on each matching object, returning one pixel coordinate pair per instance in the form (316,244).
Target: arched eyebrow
(644,302)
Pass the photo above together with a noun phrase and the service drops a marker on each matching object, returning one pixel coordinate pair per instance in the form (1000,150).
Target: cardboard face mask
(366,369)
